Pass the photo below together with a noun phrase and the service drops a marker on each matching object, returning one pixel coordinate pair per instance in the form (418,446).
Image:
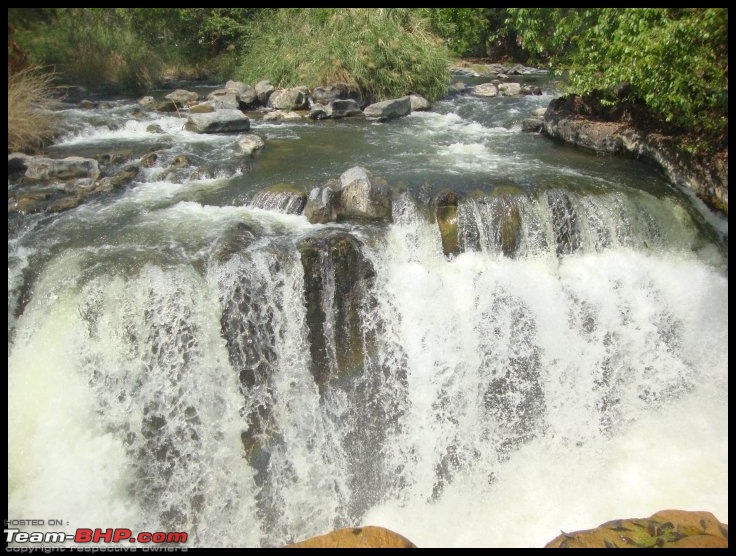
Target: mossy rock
(665,529)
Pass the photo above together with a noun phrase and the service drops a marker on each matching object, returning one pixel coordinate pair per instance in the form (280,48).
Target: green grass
(90,47)
(385,52)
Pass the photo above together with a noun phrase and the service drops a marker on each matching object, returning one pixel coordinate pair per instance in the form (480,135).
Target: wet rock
(447,221)
(322,204)
(509,89)
(584,122)
(564,222)
(17,163)
(149,160)
(284,198)
(165,105)
(65,203)
(337,281)
(124,177)
(28,203)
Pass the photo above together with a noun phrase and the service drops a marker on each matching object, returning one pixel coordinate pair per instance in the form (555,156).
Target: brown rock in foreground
(665,529)
(358,537)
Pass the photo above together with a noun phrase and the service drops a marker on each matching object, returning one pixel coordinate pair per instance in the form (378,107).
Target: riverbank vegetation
(674,61)
(31,121)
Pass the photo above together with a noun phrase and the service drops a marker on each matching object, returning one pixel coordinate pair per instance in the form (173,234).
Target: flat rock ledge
(582,122)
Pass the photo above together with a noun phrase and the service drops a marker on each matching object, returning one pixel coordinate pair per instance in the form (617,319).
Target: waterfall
(566,371)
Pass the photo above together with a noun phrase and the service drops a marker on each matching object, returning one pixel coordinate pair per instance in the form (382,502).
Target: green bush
(675,60)
(385,52)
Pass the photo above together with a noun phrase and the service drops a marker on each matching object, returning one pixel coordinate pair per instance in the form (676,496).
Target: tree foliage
(675,60)
(476,32)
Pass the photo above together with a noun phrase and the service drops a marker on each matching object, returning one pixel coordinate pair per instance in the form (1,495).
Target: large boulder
(221,121)
(665,529)
(250,144)
(364,196)
(356,537)
(336,109)
(419,103)
(388,109)
(357,195)
(264,90)
(295,98)
(71,167)
(183,98)
(337,91)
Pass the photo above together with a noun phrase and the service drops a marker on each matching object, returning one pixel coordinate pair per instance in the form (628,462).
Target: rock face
(584,122)
(338,281)
(446,214)
(665,529)
(359,537)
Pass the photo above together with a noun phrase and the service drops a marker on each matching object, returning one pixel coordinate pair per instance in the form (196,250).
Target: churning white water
(160,373)
(517,396)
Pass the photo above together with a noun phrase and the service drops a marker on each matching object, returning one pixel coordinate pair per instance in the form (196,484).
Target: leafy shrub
(675,60)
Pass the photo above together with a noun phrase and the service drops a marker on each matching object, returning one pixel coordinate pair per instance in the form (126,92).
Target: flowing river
(160,372)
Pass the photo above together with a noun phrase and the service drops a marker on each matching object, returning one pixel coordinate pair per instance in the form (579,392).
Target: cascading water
(189,355)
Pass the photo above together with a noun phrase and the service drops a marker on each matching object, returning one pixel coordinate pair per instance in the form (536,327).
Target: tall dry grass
(31,121)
